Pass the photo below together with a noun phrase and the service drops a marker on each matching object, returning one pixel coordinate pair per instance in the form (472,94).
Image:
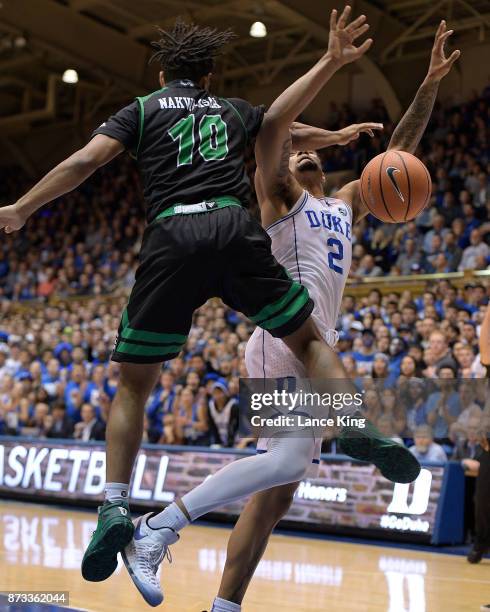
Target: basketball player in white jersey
(312,237)
(286,461)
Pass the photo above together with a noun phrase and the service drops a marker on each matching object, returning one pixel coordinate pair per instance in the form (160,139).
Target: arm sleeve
(123,126)
(251,116)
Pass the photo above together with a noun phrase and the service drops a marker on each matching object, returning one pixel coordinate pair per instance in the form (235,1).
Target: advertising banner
(346,497)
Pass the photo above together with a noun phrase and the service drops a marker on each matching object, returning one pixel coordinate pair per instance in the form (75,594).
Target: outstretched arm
(65,177)
(411,127)
(341,51)
(308,138)
(273,143)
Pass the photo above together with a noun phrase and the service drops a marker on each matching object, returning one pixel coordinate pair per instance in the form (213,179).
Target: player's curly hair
(188,51)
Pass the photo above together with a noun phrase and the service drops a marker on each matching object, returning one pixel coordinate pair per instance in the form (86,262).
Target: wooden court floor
(41,548)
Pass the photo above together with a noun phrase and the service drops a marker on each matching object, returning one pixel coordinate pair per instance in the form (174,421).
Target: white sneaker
(143,555)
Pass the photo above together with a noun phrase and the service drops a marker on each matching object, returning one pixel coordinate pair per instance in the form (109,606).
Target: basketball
(395,186)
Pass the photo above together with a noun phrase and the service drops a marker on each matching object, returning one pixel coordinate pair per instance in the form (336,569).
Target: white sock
(116,491)
(223,605)
(172,517)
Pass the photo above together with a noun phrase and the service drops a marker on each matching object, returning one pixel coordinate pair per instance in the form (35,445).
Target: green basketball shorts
(191,253)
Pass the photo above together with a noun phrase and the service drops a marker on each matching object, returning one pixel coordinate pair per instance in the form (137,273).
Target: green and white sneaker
(114,531)
(394,460)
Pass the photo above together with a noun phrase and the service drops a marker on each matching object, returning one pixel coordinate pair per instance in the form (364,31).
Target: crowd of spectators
(86,243)
(64,281)
(416,358)
(418,361)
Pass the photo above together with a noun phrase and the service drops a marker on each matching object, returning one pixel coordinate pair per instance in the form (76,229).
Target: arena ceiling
(107,41)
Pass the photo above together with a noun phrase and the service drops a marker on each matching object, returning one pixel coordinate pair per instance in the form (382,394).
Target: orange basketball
(395,186)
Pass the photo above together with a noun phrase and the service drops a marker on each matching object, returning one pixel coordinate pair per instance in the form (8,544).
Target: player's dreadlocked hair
(188,51)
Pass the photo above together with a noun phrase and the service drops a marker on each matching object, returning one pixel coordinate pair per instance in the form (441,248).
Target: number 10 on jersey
(212,137)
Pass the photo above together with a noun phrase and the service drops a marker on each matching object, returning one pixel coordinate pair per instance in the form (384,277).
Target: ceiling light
(20,42)
(70,76)
(258,30)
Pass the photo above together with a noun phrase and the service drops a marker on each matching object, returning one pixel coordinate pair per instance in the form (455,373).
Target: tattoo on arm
(411,127)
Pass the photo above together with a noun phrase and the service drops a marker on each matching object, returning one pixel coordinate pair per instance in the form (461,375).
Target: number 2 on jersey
(335,255)
(213,138)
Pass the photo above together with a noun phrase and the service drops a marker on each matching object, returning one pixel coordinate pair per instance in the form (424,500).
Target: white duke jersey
(314,243)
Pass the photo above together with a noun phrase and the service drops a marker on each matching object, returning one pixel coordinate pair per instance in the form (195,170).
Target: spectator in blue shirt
(51,377)
(4,266)
(398,350)
(24,363)
(381,371)
(160,410)
(96,387)
(443,406)
(112,379)
(365,354)
(223,414)
(439,229)
(76,392)
(412,396)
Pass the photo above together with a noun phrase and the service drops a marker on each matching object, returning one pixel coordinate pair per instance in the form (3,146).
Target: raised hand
(342,37)
(352,132)
(10,219)
(440,65)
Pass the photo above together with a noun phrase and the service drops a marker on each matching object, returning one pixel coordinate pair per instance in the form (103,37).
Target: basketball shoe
(394,460)
(114,530)
(143,555)
(476,554)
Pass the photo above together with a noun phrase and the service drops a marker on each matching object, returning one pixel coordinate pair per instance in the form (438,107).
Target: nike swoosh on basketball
(390,171)
(137,532)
